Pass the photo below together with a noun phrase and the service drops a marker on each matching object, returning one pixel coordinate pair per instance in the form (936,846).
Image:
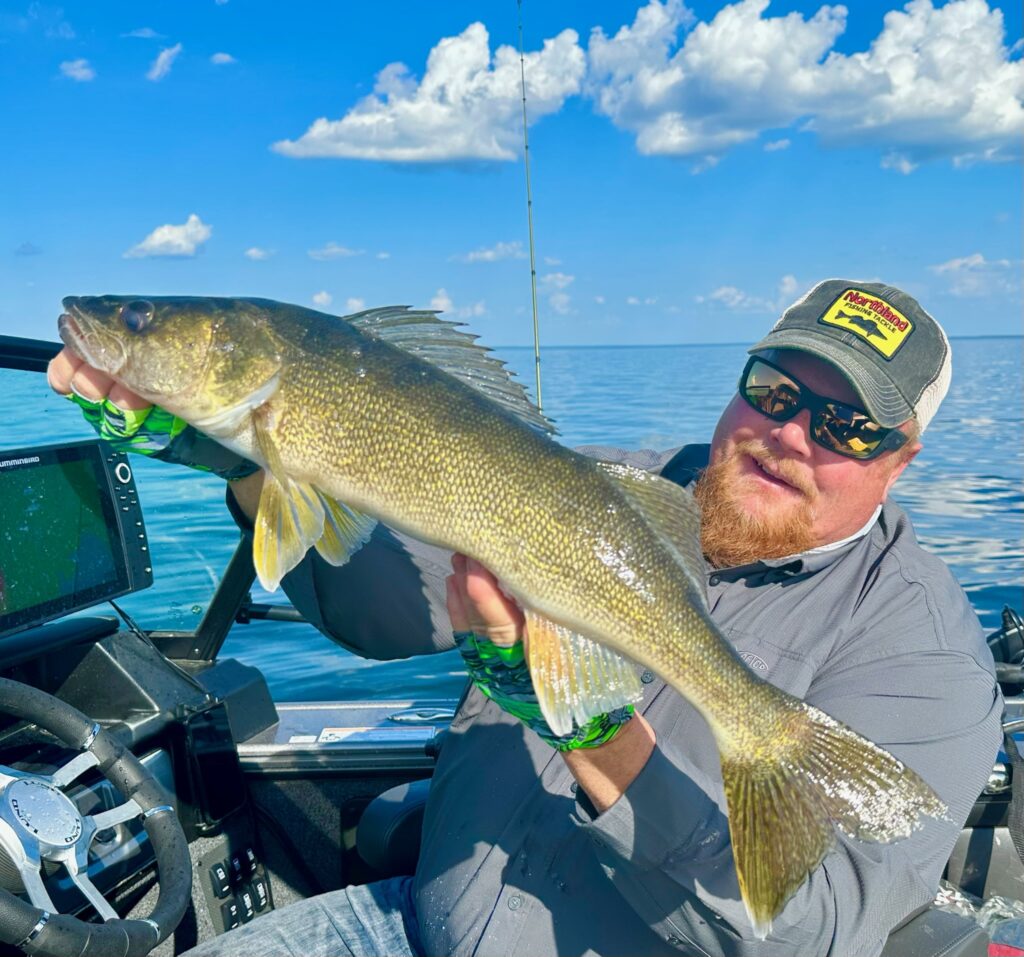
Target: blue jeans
(368,920)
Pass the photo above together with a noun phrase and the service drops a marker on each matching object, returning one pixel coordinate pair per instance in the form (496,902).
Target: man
(614,839)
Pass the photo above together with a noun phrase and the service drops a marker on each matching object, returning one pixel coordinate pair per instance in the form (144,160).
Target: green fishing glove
(501,673)
(155,432)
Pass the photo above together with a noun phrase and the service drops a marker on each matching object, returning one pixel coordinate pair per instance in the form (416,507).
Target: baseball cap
(896,356)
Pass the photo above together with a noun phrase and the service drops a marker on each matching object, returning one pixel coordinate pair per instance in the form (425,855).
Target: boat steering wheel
(39,824)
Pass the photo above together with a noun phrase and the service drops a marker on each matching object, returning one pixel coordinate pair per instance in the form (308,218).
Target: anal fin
(574,676)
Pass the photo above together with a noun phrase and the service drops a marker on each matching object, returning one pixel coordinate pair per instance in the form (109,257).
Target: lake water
(964,492)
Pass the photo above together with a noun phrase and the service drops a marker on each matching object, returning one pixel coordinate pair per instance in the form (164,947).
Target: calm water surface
(964,492)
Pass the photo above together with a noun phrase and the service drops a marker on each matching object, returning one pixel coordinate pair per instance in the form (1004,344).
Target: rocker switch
(219,880)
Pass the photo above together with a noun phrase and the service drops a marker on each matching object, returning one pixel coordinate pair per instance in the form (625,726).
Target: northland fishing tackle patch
(878,323)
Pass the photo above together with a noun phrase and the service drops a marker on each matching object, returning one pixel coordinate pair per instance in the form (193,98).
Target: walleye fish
(394,415)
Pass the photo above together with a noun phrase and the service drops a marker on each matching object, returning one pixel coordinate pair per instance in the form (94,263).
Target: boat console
(113,759)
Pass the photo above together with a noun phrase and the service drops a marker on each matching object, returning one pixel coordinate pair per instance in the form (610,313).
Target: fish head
(190,355)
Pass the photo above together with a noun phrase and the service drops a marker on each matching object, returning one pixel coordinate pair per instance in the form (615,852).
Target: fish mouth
(85,337)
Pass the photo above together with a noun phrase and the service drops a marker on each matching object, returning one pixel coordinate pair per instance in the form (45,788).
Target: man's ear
(908,456)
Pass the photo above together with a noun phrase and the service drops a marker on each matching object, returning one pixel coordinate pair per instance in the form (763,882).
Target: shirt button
(674,941)
(715,580)
(515,902)
(574,787)
(647,677)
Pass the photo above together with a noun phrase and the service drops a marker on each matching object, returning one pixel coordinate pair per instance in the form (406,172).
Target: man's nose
(793,436)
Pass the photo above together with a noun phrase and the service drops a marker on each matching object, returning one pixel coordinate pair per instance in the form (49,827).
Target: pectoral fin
(574,677)
(289,522)
(295,516)
(345,531)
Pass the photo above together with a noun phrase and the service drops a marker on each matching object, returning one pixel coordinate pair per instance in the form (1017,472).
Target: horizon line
(661,345)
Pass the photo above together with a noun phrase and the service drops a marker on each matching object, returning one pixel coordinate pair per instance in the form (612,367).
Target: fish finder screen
(60,540)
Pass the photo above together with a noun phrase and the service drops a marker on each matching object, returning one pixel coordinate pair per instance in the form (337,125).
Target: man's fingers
(487,607)
(456,608)
(61,369)
(90,383)
(126,399)
(67,372)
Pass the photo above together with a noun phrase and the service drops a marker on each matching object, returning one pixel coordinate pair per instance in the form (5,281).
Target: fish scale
(394,415)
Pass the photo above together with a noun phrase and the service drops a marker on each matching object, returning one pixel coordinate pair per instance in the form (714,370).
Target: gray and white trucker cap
(895,355)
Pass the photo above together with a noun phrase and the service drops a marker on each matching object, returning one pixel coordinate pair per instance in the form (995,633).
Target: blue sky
(695,168)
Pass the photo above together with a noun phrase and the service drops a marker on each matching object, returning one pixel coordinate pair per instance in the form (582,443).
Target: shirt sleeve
(935,707)
(386,602)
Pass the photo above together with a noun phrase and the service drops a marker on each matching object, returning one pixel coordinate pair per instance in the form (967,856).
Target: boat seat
(388,839)
(389,831)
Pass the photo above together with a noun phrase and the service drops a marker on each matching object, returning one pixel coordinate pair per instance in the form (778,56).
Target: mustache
(785,469)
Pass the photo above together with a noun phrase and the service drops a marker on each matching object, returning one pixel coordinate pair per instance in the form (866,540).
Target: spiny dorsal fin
(672,512)
(442,344)
(574,677)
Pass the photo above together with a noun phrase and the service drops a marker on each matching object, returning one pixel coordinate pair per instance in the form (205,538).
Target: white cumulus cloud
(974,276)
(161,66)
(775,145)
(222,58)
(322,298)
(144,33)
(493,254)
(442,302)
(737,300)
(169,240)
(354,304)
(258,254)
(78,70)
(467,106)
(557,280)
(554,285)
(333,251)
(935,82)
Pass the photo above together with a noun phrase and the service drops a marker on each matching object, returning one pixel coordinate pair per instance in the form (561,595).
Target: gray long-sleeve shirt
(516,862)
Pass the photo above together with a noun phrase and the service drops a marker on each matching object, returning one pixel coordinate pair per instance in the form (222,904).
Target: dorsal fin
(443,344)
(672,512)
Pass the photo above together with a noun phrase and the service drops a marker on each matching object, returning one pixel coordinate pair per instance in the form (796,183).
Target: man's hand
(131,424)
(67,374)
(607,754)
(477,604)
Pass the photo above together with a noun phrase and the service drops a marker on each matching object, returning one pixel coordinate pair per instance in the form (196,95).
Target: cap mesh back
(936,390)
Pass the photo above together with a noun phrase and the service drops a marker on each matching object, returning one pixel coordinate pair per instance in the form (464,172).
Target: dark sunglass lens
(770,392)
(847,431)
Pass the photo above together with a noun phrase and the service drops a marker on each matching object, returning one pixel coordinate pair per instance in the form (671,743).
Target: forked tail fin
(784,801)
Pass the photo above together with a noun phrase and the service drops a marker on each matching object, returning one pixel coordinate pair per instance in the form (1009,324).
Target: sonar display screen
(61,546)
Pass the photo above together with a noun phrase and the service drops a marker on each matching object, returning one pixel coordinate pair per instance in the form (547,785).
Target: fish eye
(136,314)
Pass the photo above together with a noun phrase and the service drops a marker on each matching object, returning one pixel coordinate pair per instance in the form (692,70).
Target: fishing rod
(529,217)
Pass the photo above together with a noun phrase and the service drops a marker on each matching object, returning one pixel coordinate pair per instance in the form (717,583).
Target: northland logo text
(876,306)
(7,463)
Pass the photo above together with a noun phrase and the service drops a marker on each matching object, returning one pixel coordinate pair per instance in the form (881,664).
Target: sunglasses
(836,426)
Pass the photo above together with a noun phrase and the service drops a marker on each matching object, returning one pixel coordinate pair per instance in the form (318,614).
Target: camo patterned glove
(155,432)
(501,673)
